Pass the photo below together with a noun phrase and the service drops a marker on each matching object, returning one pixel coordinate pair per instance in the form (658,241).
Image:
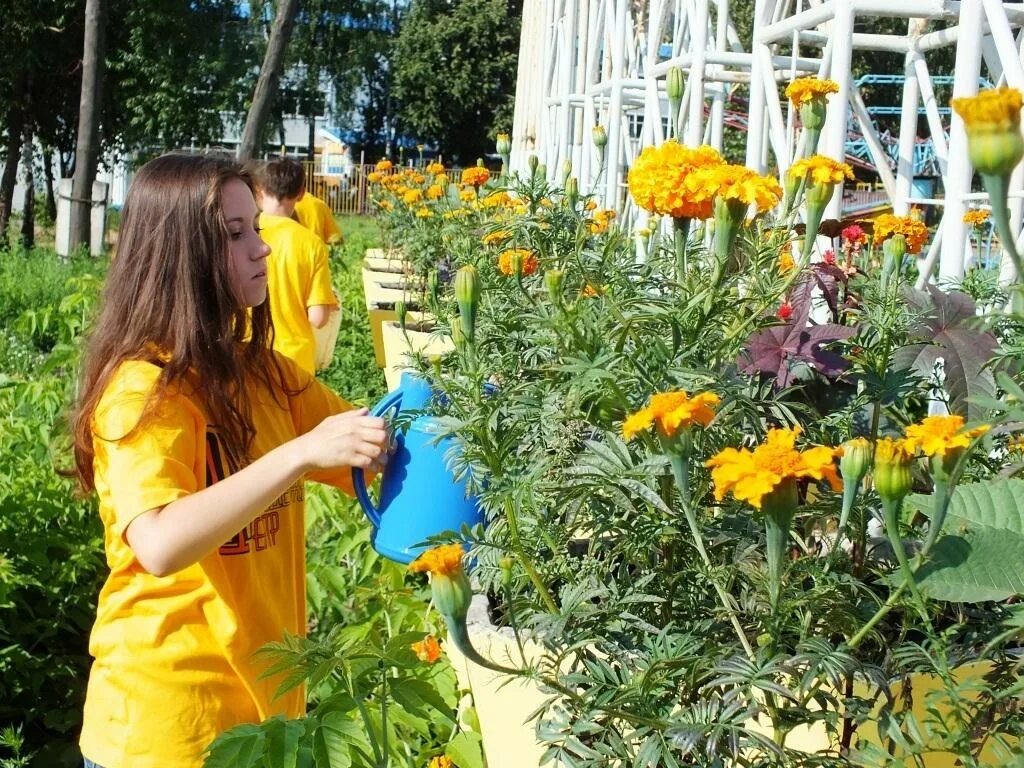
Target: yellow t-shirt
(298,276)
(174,662)
(315,215)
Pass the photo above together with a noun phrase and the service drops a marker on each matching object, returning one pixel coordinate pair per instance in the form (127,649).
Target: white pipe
(834,133)
(615,128)
(698,47)
(931,111)
(959,172)
(908,127)
(931,9)
(730,58)
(759,73)
(1004,43)
(861,40)
(928,265)
(717,117)
(776,127)
(781,30)
(878,154)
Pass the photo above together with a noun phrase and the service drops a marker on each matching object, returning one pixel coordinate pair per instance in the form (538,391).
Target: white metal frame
(584,62)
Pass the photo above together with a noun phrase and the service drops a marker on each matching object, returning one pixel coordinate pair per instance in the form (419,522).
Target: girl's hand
(350,439)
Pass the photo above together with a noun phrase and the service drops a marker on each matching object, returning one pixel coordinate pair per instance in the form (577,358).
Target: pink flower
(829,257)
(785,311)
(854,234)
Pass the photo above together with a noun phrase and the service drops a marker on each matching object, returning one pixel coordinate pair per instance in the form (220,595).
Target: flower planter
(380,305)
(378,260)
(398,345)
(503,704)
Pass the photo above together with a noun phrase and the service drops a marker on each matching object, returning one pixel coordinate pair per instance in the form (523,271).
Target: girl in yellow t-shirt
(197,439)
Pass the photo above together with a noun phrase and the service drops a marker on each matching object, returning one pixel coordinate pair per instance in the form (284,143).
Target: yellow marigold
(658,179)
(386,205)
(416,178)
(411,196)
(820,169)
(424,213)
(735,182)
(1016,444)
(434,192)
(384,165)
(803,89)
(671,412)
(456,213)
(992,109)
(506,266)
(441,762)
(445,560)
(786,262)
(976,218)
(427,650)
(495,238)
(590,205)
(938,435)
(467,195)
(590,291)
(497,199)
(475,176)
(753,475)
(434,168)
(374,177)
(913,230)
(601,221)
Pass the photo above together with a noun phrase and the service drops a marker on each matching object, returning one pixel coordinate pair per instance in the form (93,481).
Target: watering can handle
(358,478)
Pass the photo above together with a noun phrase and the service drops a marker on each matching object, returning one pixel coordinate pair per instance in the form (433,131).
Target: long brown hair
(168,300)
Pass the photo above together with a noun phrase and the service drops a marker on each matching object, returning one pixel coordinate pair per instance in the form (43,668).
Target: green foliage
(454,73)
(978,560)
(51,547)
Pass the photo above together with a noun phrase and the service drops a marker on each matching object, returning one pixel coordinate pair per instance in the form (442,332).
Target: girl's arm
(172,537)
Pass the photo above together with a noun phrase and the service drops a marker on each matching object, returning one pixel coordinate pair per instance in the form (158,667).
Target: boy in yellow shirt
(315,215)
(298,274)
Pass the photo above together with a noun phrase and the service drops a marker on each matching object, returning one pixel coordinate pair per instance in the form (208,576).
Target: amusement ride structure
(589,62)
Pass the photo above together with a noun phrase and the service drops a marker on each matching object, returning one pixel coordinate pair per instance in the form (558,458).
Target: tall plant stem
(997,187)
(513,528)
(680,234)
(891,513)
(681,471)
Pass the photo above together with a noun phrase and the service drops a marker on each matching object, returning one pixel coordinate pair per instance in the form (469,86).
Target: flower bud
(992,122)
(572,192)
(451,594)
(467,296)
(892,476)
(542,172)
(855,461)
(517,262)
(553,280)
(503,144)
(400,313)
(812,113)
(433,287)
(566,171)
(600,136)
(532,161)
(674,84)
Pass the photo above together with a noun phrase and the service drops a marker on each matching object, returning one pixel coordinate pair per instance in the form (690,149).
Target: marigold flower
(751,476)
(384,165)
(434,168)
(427,650)
(671,412)
(476,176)
(937,436)
(976,217)
(590,291)
(915,232)
(820,169)
(497,199)
(374,177)
(658,179)
(495,238)
(467,195)
(601,221)
(411,196)
(444,560)
(424,213)
(803,89)
(992,122)
(735,182)
(434,192)
(785,261)
(443,761)
(416,178)
(385,204)
(891,476)
(507,261)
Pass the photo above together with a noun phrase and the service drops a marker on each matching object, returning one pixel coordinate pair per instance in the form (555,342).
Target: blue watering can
(419,497)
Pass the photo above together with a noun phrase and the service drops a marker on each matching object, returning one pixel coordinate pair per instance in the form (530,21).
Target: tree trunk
(28,210)
(270,75)
(87,148)
(51,200)
(15,129)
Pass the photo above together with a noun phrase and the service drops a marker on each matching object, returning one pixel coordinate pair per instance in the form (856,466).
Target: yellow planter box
(398,345)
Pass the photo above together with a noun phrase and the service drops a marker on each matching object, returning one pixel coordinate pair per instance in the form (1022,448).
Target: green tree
(454,66)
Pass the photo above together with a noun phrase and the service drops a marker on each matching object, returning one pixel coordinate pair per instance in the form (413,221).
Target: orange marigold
(445,560)
(434,168)
(495,238)
(803,89)
(441,762)
(976,218)
(411,196)
(475,176)
(384,165)
(913,230)
(658,179)
(753,475)
(427,650)
(506,261)
(670,412)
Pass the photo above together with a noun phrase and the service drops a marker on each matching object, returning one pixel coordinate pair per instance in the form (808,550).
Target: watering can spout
(419,496)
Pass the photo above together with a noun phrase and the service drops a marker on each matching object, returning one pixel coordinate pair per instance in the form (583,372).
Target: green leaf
(330,743)
(283,741)
(240,747)
(979,558)
(412,694)
(465,750)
